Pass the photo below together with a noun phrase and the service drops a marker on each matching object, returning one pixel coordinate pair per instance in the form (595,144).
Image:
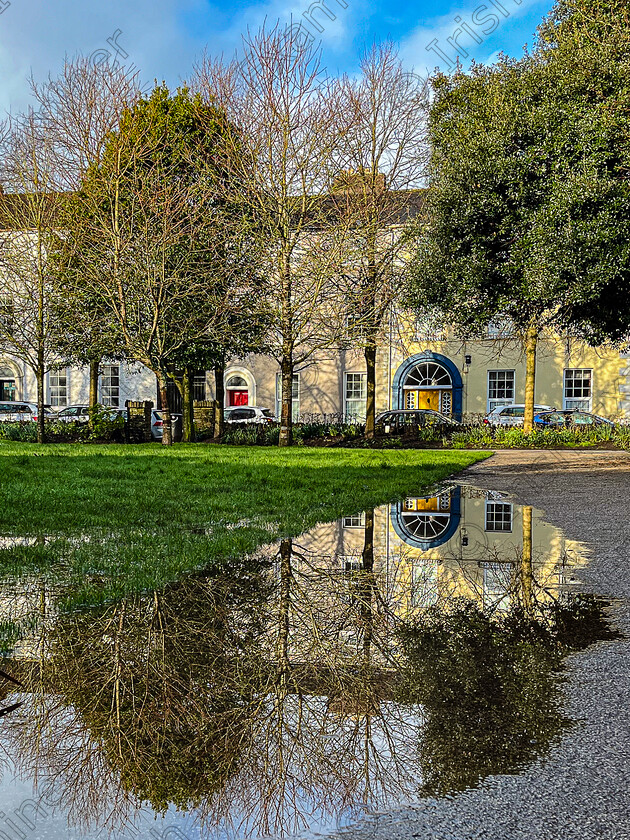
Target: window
(242,414)
(355,327)
(497,579)
(577,389)
(500,388)
(6,315)
(500,328)
(58,387)
(355,390)
(296,396)
(199,386)
(110,385)
(357,521)
(430,328)
(498,516)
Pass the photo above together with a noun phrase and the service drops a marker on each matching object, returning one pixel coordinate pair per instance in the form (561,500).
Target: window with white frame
(355,390)
(199,386)
(58,387)
(356,521)
(497,583)
(355,327)
(500,388)
(578,388)
(110,385)
(6,315)
(500,328)
(295,392)
(498,516)
(430,327)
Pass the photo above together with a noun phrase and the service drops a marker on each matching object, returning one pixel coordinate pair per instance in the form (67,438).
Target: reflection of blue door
(7,390)
(427,522)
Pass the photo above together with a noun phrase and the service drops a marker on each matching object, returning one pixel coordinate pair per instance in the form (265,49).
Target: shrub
(513,437)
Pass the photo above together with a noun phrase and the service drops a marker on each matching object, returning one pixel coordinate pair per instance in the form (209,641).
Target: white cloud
(485,18)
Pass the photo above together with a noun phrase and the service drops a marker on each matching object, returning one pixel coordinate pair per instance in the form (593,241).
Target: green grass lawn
(120,517)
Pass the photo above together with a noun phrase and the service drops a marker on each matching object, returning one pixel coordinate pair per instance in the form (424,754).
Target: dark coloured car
(569,418)
(398,420)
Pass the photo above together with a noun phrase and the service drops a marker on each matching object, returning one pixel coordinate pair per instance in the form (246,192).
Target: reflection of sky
(393,776)
(327,778)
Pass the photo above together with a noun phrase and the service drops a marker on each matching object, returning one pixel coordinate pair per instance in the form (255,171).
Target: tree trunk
(41,428)
(286,414)
(368,587)
(527,569)
(167,431)
(188,420)
(284,608)
(93,394)
(531,342)
(370,390)
(219,396)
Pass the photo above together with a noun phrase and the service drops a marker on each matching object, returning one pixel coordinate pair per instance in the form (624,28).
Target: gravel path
(582,789)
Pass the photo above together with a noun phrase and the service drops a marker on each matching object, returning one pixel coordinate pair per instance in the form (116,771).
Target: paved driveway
(582,789)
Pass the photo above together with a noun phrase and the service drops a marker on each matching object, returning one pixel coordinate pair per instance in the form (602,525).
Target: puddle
(404,652)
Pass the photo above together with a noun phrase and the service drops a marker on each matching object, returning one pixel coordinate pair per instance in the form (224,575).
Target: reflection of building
(460,542)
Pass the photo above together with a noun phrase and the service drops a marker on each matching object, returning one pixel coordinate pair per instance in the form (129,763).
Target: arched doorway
(427,522)
(428,380)
(240,388)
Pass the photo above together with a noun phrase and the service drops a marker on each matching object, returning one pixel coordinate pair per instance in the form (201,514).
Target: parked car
(23,412)
(81,413)
(569,417)
(397,420)
(248,414)
(511,415)
(157,423)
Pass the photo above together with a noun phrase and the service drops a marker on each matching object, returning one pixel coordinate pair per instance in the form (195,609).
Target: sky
(164,38)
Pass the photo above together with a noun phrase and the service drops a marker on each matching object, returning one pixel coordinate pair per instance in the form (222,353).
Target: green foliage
(515,438)
(528,213)
(105,425)
(489,685)
(259,434)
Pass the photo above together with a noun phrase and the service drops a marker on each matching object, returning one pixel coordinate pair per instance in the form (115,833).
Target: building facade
(461,379)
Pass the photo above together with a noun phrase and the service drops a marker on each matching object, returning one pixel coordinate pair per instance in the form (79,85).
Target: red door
(238,397)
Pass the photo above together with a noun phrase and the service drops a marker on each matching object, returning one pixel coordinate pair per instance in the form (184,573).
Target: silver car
(248,414)
(22,412)
(511,415)
(81,413)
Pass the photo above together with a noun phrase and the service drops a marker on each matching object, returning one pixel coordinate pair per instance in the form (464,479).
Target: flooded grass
(409,651)
(133,518)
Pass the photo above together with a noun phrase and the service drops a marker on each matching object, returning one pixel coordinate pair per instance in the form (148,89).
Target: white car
(511,415)
(22,412)
(81,413)
(248,414)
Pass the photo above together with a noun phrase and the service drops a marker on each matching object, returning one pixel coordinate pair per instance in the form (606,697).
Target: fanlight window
(428,375)
(426,526)
(236,382)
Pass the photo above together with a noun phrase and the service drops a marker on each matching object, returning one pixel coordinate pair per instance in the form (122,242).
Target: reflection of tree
(489,686)
(267,696)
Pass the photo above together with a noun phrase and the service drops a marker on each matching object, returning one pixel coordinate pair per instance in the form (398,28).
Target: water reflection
(405,651)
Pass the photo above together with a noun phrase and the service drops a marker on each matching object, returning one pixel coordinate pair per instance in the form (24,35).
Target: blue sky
(164,37)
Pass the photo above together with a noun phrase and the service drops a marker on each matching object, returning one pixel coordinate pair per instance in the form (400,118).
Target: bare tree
(30,209)
(147,233)
(385,156)
(287,111)
(78,111)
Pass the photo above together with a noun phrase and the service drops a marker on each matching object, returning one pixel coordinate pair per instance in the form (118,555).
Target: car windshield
(267,412)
